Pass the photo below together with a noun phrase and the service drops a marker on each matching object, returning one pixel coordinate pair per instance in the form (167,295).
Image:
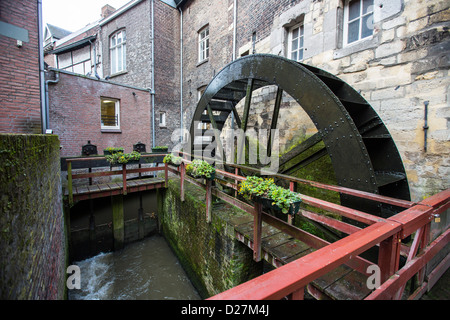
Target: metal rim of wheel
(362,151)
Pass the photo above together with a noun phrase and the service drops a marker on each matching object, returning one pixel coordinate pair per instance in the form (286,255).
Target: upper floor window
(118,52)
(295,45)
(203,44)
(358,20)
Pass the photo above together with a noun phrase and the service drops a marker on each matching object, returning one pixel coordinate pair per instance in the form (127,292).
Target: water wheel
(362,152)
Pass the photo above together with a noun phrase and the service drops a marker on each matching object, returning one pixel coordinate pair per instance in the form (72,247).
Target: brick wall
(75,114)
(136,23)
(167,71)
(32,237)
(19,76)
(197,14)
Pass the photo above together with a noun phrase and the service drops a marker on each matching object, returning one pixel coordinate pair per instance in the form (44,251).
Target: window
(118,52)
(358,20)
(295,45)
(203,44)
(110,113)
(162,119)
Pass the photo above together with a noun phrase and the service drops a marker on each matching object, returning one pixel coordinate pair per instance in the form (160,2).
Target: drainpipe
(181,75)
(44,110)
(234,58)
(425,126)
(47,101)
(152,92)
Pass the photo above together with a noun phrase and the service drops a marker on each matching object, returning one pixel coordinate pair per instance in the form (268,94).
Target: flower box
(270,204)
(111,150)
(201,169)
(160,149)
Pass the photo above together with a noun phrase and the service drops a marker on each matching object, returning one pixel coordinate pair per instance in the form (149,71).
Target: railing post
(182,173)
(69,182)
(291,188)
(208,200)
(257,230)
(389,256)
(166,174)
(124,177)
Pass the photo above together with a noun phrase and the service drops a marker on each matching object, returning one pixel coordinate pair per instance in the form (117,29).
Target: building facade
(395,53)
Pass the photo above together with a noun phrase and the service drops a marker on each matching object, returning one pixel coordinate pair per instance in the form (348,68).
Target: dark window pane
(367,26)
(353,9)
(353,31)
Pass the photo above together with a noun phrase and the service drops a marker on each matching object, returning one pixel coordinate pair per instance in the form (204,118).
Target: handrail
(124,172)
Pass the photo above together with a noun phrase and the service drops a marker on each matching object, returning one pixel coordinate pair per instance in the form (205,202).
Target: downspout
(234,58)
(47,100)
(181,75)
(152,92)
(44,107)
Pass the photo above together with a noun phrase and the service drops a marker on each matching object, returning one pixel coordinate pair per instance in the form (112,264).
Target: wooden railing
(99,161)
(386,233)
(291,279)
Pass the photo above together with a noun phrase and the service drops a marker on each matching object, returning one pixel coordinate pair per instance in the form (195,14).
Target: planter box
(266,202)
(108,153)
(160,150)
(213,176)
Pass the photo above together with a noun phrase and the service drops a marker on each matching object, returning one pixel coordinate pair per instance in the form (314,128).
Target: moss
(209,253)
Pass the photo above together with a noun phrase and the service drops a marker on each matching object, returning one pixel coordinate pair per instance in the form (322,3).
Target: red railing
(291,279)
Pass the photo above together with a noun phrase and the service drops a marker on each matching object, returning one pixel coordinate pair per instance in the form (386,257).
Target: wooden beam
(273,125)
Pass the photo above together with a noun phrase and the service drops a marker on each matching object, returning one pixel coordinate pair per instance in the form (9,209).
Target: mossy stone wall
(32,235)
(209,252)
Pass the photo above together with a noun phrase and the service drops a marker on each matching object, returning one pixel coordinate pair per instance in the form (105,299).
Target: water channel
(143,270)
(146,269)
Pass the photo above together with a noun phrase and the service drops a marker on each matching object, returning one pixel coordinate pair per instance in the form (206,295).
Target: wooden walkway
(114,188)
(278,248)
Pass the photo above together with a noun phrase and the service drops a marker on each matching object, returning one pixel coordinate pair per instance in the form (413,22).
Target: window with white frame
(162,119)
(118,52)
(295,45)
(358,20)
(203,44)
(110,113)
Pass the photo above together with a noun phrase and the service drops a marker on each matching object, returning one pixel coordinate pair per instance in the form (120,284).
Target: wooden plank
(351,286)
(331,277)
(289,249)
(280,282)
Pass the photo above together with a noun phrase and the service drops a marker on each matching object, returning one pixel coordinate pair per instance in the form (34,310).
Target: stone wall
(214,260)
(404,64)
(32,233)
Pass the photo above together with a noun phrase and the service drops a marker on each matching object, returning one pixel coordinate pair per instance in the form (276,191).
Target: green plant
(160,148)
(112,150)
(255,188)
(170,158)
(122,158)
(200,168)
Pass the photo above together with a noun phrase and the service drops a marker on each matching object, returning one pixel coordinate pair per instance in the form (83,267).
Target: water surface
(145,270)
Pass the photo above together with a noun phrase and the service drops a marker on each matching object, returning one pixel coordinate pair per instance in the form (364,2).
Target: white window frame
(360,18)
(162,119)
(117,114)
(114,48)
(300,40)
(203,44)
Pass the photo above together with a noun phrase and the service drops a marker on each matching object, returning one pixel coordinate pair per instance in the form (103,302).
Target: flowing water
(145,270)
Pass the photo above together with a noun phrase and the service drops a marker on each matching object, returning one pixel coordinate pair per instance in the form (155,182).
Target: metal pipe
(425,126)
(152,92)
(181,75)
(47,101)
(44,110)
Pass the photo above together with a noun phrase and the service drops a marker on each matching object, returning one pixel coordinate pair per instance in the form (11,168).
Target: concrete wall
(75,114)
(20,109)
(214,260)
(32,238)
